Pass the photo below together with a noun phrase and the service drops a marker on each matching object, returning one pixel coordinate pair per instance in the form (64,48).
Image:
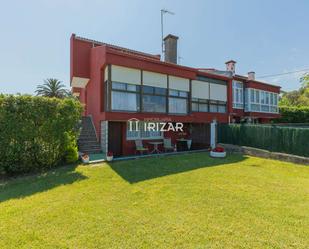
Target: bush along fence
(288,140)
(37,132)
(293,114)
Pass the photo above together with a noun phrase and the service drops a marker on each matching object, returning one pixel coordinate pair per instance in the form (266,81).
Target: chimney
(251,75)
(230,66)
(170,51)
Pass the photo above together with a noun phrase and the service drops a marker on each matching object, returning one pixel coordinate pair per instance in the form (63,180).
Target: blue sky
(268,37)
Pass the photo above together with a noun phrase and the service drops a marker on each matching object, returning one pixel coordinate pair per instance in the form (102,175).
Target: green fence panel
(291,140)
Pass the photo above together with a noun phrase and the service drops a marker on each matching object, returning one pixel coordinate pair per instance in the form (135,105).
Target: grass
(186,201)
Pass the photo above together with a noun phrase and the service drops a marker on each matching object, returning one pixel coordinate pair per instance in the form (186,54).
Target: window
(177,106)
(238,95)
(222,108)
(262,101)
(255,107)
(140,132)
(275,99)
(199,105)
(203,107)
(255,100)
(148,89)
(125,97)
(257,96)
(274,102)
(154,103)
(252,96)
(217,106)
(265,108)
(178,102)
(271,99)
(119,86)
(262,97)
(213,106)
(194,107)
(267,98)
(154,99)
(247,102)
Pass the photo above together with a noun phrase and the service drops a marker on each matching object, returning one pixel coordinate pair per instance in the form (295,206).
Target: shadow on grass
(28,185)
(138,170)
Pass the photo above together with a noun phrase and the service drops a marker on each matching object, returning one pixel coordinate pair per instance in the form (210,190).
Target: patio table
(155,147)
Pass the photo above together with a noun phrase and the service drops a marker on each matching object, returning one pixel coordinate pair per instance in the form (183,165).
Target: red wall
(100,56)
(263,86)
(79,58)
(195,117)
(263,115)
(89,59)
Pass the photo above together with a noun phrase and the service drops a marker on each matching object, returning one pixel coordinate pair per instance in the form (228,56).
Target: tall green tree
(297,97)
(52,88)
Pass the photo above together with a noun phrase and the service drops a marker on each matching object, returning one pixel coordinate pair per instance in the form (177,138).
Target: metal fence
(291,140)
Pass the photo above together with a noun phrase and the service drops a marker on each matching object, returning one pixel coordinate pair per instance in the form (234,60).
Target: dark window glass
(203,107)
(200,105)
(125,101)
(123,98)
(183,94)
(119,86)
(173,92)
(148,89)
(213,108)
(178,105)
(133,88)
(195,107)
(161,91)
(222,108)
(152,103)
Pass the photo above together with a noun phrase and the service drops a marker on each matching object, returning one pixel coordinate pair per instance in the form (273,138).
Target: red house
(116,84)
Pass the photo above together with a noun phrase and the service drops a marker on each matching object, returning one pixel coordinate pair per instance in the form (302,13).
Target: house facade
(116,85)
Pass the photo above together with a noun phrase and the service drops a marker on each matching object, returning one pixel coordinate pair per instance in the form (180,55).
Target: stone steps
(87,141)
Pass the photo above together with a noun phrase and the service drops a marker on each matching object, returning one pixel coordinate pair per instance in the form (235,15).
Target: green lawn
(185,201)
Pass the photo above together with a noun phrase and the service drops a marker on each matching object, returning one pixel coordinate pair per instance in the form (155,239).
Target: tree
(297,97)
(52,88)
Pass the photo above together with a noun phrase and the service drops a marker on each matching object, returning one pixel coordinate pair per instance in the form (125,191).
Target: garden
(183,201)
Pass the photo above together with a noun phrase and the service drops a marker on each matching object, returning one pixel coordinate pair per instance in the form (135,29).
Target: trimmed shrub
(293,115)
(71,154)
(288,140)
(36,131)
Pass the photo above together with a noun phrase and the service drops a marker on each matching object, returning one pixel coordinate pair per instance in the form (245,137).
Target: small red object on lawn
(218,149)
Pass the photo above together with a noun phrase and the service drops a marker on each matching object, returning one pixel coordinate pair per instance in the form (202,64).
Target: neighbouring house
(116,84)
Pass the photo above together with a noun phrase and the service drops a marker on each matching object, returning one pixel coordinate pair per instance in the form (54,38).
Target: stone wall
(265,154)
(104,136)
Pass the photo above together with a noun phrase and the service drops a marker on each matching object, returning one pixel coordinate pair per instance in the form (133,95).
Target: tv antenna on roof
(164,11)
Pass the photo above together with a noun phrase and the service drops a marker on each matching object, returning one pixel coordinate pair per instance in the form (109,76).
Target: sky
(268,37)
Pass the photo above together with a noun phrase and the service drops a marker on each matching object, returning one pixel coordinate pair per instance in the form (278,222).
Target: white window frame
(262,96)
(238,92)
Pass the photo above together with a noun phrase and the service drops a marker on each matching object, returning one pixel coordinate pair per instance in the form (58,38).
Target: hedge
(293,115)
(36,132)
(288,140)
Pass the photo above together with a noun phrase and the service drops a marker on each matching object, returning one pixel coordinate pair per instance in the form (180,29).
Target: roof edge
(114,46)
